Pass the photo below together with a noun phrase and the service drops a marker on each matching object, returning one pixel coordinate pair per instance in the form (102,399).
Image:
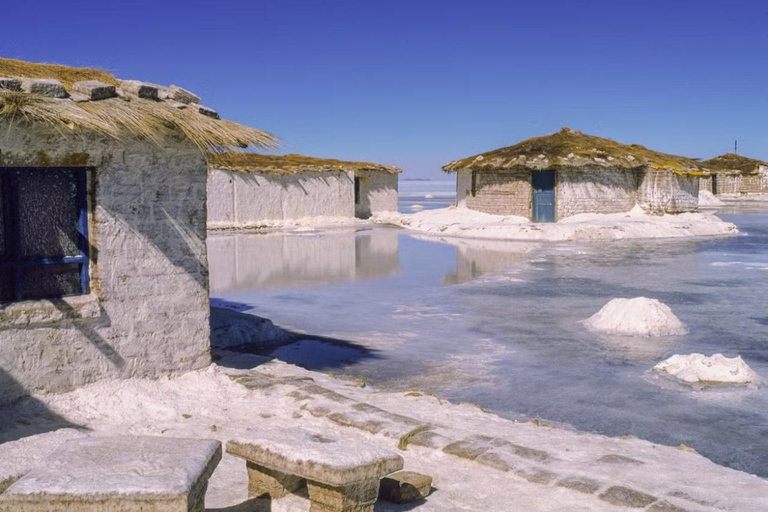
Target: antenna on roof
(736,147)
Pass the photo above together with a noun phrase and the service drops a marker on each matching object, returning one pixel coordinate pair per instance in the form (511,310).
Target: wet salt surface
(497,323)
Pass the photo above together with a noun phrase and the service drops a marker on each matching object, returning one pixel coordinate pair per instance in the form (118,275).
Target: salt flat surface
(717,369)
(639,316)
(454,221)
(208,404)
(120,465)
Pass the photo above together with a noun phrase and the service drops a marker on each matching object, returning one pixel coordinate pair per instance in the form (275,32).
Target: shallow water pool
(497,323)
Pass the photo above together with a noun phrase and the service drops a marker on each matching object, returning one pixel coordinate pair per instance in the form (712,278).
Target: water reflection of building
(477,257)
(251,261)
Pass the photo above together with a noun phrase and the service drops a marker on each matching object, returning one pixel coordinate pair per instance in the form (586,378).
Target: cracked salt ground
(517,348)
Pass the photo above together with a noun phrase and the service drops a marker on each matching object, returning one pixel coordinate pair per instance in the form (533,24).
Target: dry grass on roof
(289,164)
(575,150)
(145,119)
(731,162)
(117,118)
(65,74)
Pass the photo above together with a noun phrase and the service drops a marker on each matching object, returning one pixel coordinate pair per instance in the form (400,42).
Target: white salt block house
(247,189)
(735,174)
(546,179)
(103,266)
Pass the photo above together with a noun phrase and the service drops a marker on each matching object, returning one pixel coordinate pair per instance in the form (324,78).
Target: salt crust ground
(709,200)
(640,316)
(306,224)
(743,197)
(455,221)
(209,404)
(700,369)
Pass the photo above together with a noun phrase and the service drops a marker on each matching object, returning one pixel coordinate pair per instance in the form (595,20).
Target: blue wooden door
(543,183)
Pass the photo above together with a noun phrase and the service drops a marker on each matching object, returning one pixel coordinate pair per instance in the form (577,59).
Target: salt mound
(429,196)
(700,369)
(707,198)
(636,317)
(416,207)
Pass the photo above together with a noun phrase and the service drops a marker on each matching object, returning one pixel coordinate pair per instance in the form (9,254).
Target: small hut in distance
(549,178)
(735,174)
(248,189)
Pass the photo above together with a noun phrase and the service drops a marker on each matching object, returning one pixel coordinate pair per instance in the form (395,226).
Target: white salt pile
(416,207)
(429,196)
(700,369)
(636,317)
(707,198)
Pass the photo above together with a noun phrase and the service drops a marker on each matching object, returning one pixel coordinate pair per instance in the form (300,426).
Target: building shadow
(309,351)
(26,415)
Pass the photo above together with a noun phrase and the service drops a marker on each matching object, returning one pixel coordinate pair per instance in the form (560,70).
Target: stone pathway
(613,479)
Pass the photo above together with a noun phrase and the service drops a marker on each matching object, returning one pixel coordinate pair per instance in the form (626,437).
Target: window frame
(11,261)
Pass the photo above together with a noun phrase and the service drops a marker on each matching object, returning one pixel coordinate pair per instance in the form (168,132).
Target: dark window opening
(474,183)
(357,190)
(43,233)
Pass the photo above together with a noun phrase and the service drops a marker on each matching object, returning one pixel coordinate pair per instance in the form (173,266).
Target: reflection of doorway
(543,184)
(357,190)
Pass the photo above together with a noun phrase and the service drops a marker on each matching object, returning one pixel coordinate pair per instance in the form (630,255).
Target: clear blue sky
(419,83)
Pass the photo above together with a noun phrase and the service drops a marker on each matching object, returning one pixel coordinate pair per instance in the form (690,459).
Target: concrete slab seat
(118,474)
(341,475)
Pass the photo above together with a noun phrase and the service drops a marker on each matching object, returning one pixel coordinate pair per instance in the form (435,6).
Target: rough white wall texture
(738,184)
(284,259)
(378,193)
(237,199)
(497,193)
(606,191)
(666,192)
(148,313)
(705,183)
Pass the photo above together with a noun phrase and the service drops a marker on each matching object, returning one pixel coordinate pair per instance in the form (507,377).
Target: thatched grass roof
(569,149)
(734,164)
(288,164)
(117,117)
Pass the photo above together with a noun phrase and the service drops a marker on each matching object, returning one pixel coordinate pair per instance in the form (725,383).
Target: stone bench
(341,475)
(17,458)
(118,474)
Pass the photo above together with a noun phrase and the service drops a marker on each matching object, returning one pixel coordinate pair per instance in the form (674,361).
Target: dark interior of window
(357,190)
(43,235)
(474,183)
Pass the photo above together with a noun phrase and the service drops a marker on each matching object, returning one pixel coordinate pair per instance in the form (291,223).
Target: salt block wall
(742,184)
(705,183)
(238,199)
(378,193)
(601,191)
(666,192)
(148,312)
(496,192)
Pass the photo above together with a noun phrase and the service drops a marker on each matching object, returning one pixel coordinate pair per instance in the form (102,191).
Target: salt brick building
(735,174)
(245,190)
(103,266)
(549,178)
